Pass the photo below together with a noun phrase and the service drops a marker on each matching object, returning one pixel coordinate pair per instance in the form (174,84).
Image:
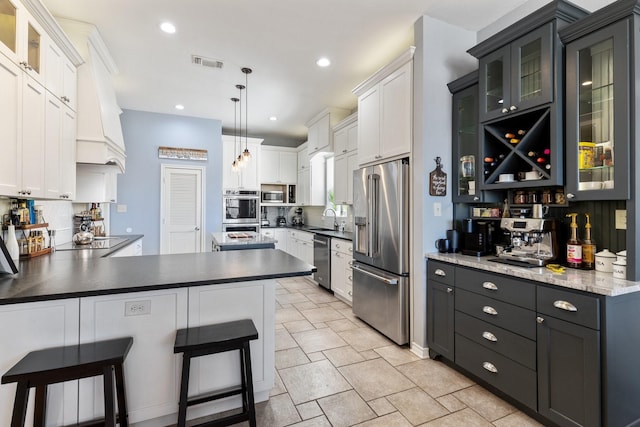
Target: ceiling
(279,39)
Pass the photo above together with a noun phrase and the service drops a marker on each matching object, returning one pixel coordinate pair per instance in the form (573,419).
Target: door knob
(197,228)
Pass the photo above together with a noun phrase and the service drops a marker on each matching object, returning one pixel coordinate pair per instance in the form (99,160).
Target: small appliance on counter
(533,241)
(297,218)
(281,220)
(481,236)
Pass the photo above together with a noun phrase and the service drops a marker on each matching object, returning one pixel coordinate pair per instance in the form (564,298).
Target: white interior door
(182,202)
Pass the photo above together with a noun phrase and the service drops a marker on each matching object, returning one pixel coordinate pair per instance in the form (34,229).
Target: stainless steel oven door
(240,209)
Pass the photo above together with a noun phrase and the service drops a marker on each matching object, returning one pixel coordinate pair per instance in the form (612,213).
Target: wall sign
(438,180)
(182,153)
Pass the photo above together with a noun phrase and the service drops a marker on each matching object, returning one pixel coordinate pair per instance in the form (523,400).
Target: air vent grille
(206,62)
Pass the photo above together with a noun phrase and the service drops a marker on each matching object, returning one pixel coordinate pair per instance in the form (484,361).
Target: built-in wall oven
(241,227)
(241,207)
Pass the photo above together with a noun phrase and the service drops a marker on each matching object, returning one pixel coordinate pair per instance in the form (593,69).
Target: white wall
(440,58)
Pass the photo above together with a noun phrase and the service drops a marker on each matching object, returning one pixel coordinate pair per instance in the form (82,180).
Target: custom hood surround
(99,136)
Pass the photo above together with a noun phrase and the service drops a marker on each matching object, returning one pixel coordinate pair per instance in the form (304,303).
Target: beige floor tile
(484,402)
(364,339)
(320,297)
(279,326)
(282,291)
(340,305)
(284,340)
(309,410)
(417,406)
(279,411)
(343,356)
(286,305)
(290,357)
(435,377)
(450,402)
(375,378)
(381,406)
(278,386)
(313,381)
(346,409)
(284,315)
(348,313)
(305,305)
(466,417)
(396,355)
(314,422)
(318,355)
(320,325)
(394,419)
(517,419)
(291,298)
(298,326)
(322,314)
(318,340)
(369,354)
(341,325)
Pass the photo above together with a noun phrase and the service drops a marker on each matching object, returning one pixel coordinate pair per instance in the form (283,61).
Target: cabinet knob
(505,110)
(449,290)
(490,367)
(570,195)
(476,199)
(513,108)
(65,99)
(197,228)
(490,310)
(539,319)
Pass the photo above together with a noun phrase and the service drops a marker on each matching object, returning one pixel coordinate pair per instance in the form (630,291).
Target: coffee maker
(298,219)
(480,236)
(533,241)
(281,220)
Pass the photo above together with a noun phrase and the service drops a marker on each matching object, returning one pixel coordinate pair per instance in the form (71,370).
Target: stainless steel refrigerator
(381,248)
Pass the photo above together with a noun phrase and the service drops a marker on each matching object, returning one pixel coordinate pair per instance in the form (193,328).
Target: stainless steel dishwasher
(322,260)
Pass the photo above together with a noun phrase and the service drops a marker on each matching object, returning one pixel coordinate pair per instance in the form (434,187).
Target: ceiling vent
(206,62)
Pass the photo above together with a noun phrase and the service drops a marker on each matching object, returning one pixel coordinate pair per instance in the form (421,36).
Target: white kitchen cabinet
(280,234)
(134,249)
(96,183)
(224,303)
(33,138)
(151,369)
(385,109)
(248,177)
(278,166)
(61,76)
(10,116)
(303,156)
(346,159)
(320,137)
(300,245)
(24,45)
(60,150)
(312,183)
(341,269)
(36,326)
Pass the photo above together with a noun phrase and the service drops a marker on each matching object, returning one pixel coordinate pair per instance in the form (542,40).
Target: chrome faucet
(335,217)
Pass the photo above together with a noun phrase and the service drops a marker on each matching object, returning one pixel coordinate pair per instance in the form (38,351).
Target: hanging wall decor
(182,153)
(438,180)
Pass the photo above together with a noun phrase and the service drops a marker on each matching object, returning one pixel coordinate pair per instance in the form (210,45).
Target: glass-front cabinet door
(9,28)
(517,76)
(598,115)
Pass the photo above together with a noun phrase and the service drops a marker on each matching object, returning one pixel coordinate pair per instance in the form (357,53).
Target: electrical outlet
(621,219)
(137,308)
(121,208)
(437,209)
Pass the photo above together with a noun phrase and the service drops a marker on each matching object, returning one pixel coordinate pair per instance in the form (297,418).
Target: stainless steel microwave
(273,196)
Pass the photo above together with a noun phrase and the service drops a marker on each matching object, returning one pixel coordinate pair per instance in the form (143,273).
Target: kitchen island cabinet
(561,346)
(147,297)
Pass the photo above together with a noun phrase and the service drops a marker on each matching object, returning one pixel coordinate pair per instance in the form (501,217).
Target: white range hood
(99,133)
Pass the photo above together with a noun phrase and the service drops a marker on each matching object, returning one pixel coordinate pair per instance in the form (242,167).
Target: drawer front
(441,272)
(508,289)
(342,246)
(575,308)
(505,374)
(513,346)
(507,316)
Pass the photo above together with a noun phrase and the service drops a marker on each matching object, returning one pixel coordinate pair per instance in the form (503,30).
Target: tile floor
(334,370)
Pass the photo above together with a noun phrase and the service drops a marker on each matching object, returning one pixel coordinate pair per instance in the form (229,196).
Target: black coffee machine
(481,236)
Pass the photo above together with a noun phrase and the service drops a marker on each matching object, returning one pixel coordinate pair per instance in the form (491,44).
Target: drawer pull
(540,320)
(449,290)
(440,272)
(564,305)
(490,286)
(489,336)
(490,367)
(490,310)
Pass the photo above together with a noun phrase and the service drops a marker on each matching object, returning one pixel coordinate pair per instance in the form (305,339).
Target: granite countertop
(227,239)
(73,274)
(583,280)
(345,235)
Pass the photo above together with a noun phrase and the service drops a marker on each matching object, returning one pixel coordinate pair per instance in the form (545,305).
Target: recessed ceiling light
(179,107)
(273,118)
(168,27)
(323,62)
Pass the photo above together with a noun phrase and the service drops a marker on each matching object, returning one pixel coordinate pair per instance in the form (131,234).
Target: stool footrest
(226,421)
(220,394)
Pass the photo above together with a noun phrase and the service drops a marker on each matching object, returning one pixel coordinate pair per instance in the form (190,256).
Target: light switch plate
(121,208)
(621,219)
(437,209)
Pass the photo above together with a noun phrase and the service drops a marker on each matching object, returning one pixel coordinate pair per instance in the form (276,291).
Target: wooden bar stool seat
(211,339)
(55,365)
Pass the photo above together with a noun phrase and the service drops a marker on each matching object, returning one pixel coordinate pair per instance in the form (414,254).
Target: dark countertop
(73,274)
(347,235)
(90,251)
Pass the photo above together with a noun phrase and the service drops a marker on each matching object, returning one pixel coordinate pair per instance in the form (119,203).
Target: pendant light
(240,161)
(246,155)
(234,166)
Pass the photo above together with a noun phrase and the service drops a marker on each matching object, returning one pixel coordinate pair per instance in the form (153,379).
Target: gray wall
(139,188)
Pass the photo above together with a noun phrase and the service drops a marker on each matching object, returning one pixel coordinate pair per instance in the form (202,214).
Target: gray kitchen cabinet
(520,100)
(599,90)
(440,310)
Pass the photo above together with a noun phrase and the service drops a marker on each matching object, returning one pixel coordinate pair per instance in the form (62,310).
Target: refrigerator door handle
(376,276)
(374,216)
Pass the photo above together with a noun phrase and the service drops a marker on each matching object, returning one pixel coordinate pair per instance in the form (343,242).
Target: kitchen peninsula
(243,240)
(74,296)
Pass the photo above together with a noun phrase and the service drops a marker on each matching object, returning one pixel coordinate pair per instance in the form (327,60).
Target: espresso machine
(533,241)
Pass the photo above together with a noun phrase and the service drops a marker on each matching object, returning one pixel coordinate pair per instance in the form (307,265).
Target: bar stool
(211,339)
(54,365)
